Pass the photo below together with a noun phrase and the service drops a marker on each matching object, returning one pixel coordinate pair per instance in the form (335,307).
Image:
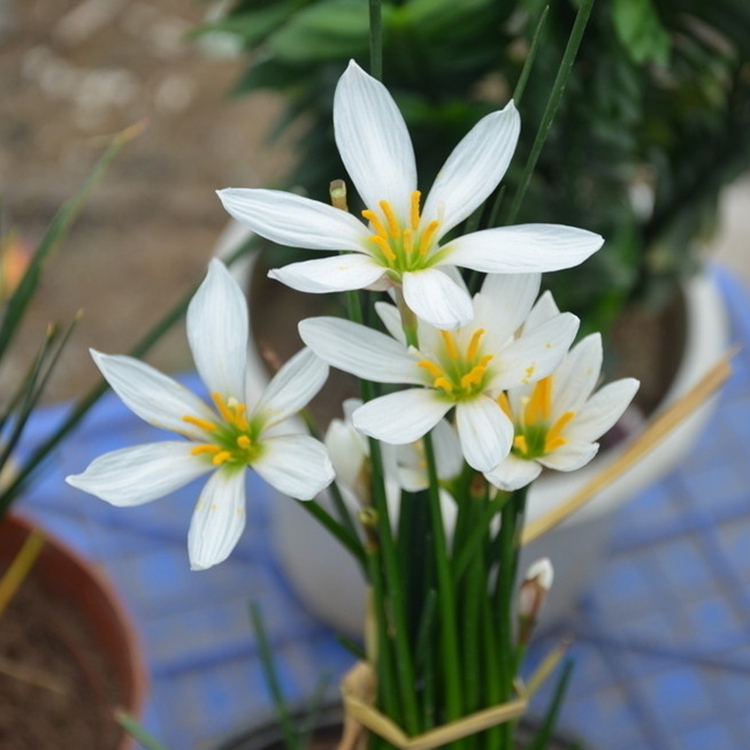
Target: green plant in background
(655,119)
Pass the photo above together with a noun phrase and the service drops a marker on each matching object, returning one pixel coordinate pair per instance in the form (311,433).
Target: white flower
(556,420)
(400,241)
(224,438)
(468,368)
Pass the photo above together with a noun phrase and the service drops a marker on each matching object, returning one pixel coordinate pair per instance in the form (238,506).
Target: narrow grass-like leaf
(284,715)
(529,61)
(137,732)
(541,741)
(21,297)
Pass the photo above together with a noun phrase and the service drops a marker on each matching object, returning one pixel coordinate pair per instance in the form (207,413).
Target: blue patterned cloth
(662,641)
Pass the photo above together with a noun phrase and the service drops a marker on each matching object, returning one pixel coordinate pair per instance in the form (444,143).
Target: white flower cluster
(497,368)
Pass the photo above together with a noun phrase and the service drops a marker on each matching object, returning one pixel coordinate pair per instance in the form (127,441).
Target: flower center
(402,248)
(232,438)
(459,375)
(536,435)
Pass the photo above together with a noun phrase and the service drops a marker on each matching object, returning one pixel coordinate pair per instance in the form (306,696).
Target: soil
(55,690)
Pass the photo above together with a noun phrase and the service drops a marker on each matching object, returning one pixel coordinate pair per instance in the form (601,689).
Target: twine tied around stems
(358,689)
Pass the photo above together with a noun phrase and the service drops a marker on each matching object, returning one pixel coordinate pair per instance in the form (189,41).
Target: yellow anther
(520,444)
(408,241)
(425,241)
(205,448)
(450,344)
(444,384)
(240,416)
(222,407)
(204,424)
(385,248)
(434,370)
(554,435)
(244,442)
(504,404)
(474,344)
(394,228)
(377,225)
(474,376)
(539,406)
(414,210)
(221,458)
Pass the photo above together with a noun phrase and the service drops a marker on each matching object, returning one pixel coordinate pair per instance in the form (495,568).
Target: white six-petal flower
(400,242)
(556,420)
(467,369)
(225,438)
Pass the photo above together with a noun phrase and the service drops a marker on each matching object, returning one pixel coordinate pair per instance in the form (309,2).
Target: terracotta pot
(333,588)
(66,577)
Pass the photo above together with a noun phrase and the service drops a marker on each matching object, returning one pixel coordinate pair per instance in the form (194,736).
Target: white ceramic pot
(328,581)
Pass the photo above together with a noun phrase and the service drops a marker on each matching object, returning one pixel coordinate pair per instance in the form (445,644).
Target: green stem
(447,595)
(322,516)
(553,103)
(376,39)
(529,61)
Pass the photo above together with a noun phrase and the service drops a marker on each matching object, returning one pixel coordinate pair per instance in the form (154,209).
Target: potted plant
(651,126)
(471,386)
(68,653)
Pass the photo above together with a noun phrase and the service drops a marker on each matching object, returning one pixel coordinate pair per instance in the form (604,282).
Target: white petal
(347,453)
(359,350)
(296,465)
(534,356)
(485,432)
(570,457)
(524,248)
(513,473)
(137,475)
(391,320)
(544,309)
(602,410)
(217,330)
(401,417)
(504,302)
(153,396)
(295,221)
(433,297)
(578,375)
(292,387)
(474,169)
(218,519)
(447,450)
(373,141)
(338,273)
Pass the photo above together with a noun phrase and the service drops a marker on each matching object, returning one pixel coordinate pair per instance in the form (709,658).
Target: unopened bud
(532,595)
(337,191)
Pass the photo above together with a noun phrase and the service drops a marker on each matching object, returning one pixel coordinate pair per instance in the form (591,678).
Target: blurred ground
(71,75)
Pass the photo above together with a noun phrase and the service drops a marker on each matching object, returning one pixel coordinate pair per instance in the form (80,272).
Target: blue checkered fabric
(662,641)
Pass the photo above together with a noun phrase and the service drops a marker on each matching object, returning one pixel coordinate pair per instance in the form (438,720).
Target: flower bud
(532,595)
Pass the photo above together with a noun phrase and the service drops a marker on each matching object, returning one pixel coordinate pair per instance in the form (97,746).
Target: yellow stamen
(473,377)
(394,227)
(431,367)
(221,458)
(520,444)
(504,404)
(554,435)
(444,383)
(222,407)
(540,403)
(414,212)
(204,424)
(425,241)
(450,344)
(408,241)
(474,344)
(385,248)
(244,442)
(377,225)
(240,416)
(205,448)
